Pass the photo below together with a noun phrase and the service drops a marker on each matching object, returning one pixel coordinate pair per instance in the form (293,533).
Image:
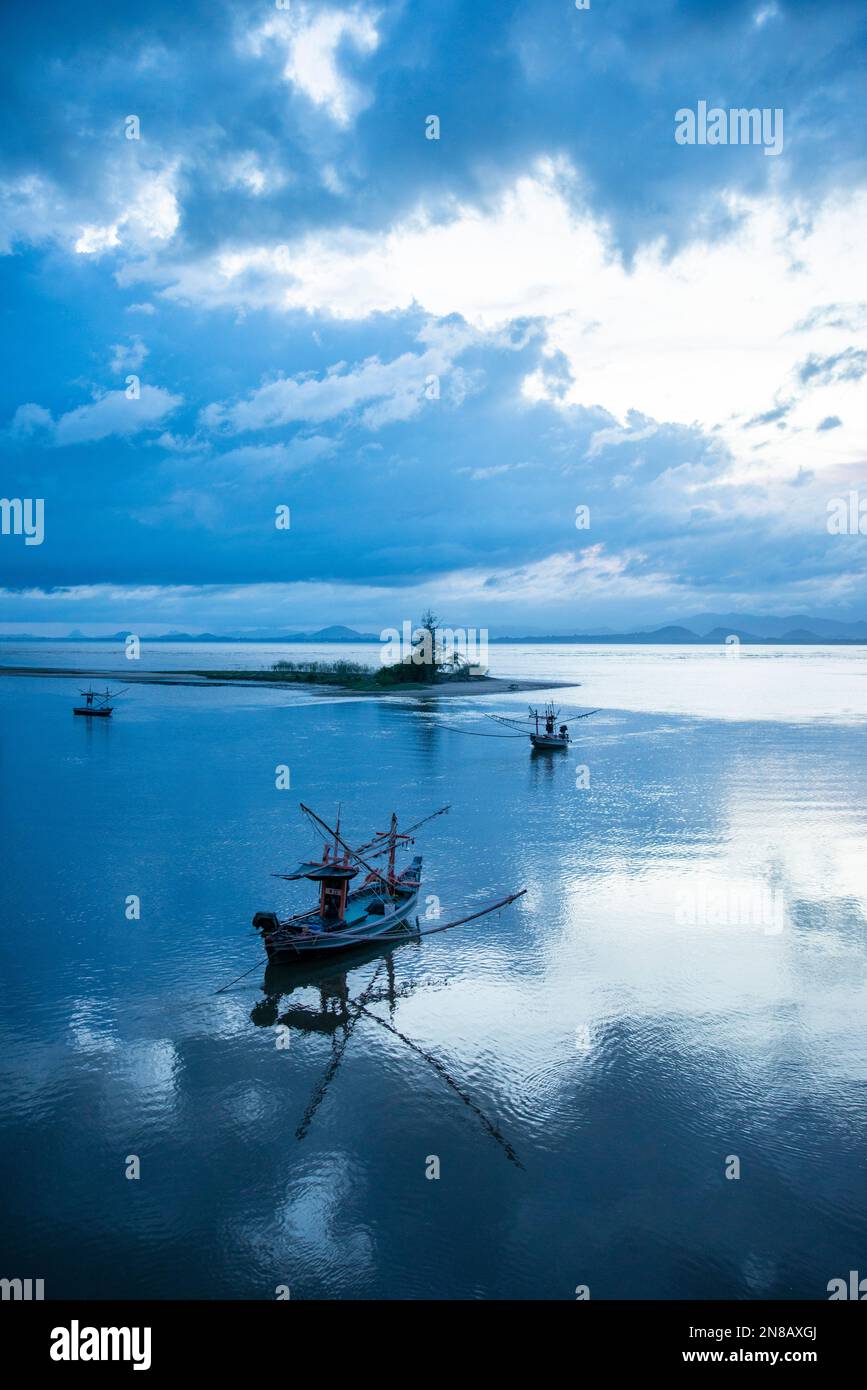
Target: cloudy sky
(283,293)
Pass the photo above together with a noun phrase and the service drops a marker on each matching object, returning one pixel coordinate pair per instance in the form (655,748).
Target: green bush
(309,672)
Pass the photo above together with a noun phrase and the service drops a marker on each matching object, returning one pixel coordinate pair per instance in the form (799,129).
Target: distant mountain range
(336,633)
(714,628)
(706,628)
(671,636)
(776,627)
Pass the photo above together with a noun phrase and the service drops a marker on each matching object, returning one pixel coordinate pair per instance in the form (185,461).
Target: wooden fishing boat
(101,710)
(377,911)
(546,733)
(548,738)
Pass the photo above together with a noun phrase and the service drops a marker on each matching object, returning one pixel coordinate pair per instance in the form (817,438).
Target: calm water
(685,980)
(782,683)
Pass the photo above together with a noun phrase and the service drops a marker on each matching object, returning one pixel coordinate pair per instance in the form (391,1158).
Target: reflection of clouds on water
(769,971)
(145,1074)
(317,1223)
(91,1029)
(765,683)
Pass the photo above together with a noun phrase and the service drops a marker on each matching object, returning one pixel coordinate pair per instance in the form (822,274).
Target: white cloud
(245,170)
(150,215)
(30,210)
(31,417)
(181,444)
(633,433)
(381,391)
(274,460)
(111,412)
(310,40)
(127,207)
(766,12)
(128,357)
(495,471)
(581,575)
(332,181)
(114,413)
(703,336)
(93,240)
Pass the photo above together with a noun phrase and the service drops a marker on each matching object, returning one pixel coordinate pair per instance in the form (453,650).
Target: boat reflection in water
(340,1011)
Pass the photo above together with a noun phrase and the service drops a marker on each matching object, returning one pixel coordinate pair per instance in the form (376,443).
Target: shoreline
(484,685)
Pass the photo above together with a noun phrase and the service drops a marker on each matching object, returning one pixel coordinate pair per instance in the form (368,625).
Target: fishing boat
(102,709)
(377,910)
(546,733)
(548,737)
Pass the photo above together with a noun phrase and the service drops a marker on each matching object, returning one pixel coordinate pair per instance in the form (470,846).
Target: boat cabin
(334,878)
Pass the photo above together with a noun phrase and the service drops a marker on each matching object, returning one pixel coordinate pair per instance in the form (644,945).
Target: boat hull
(550,741)
(318,947)
(91,713)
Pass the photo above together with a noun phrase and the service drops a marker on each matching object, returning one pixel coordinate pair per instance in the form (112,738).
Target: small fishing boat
(102,709)
(546,733)
(547,737)
(377,910)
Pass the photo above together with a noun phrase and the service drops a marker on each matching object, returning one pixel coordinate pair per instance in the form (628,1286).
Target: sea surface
(646,1077)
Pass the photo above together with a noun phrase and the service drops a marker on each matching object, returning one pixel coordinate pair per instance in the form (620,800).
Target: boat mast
(352,853)
(392,844)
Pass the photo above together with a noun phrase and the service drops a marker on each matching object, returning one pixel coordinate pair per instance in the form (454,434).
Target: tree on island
(425,654)
(436,660)
(432,655)
(424,662)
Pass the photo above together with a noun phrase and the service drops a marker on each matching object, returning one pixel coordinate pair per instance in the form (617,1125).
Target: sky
(239,276)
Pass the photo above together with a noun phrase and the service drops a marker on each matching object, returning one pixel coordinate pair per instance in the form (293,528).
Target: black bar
(213,1335)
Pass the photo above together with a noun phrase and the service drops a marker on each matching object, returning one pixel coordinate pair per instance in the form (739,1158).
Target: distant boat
(546,733)
(102,709)
(376,911)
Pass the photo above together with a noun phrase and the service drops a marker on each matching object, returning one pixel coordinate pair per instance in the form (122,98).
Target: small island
(429,667)
(346,675)
(361,680)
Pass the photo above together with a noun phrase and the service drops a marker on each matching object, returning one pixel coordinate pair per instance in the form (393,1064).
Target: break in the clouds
(239,275)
